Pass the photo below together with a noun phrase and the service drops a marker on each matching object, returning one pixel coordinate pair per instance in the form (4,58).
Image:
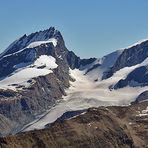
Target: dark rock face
(8,63)
(26,40)
(70,114)
(84,62)
(6,125)
(7,93)
(142,97)
(121,83)
(76,62)
(93,67)
(73,60)
(138,77)
(130,57)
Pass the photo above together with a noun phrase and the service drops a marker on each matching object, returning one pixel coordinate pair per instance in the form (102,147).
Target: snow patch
(32,45)
(47,61)
(143,112)
(25,72)
(38,43)
(20,78)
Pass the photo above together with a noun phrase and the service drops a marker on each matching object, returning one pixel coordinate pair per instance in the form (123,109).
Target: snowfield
(26,72)
(105,63)
(85,93)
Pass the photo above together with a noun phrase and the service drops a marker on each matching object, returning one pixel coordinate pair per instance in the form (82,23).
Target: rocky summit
(51,96)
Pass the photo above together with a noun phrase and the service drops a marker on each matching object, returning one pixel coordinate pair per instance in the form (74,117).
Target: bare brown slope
(96,128)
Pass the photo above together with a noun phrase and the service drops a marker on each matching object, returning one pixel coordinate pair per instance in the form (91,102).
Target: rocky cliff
(130,56)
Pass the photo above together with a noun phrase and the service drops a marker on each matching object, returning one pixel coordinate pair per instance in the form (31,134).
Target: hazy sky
(91,28)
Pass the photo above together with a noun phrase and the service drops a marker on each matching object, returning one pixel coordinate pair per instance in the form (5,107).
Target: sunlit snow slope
(26,72)
(85,93)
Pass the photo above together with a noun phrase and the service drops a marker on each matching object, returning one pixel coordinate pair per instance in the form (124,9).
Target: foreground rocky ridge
(97,127)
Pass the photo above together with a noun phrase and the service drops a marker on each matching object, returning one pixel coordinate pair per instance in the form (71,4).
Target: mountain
(34,72)
(131,56)
(40,80)
(134,57)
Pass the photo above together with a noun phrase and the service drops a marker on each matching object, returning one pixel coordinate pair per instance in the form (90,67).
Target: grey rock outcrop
(142,97)
(130,57)
(138,77)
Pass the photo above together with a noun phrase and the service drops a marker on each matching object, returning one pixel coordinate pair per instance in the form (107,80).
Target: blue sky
(91,28)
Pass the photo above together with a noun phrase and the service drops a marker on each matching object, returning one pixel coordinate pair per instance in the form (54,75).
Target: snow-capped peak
(136,43)
(33,40)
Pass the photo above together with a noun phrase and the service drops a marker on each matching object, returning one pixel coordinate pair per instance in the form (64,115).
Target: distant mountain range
(40,80)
